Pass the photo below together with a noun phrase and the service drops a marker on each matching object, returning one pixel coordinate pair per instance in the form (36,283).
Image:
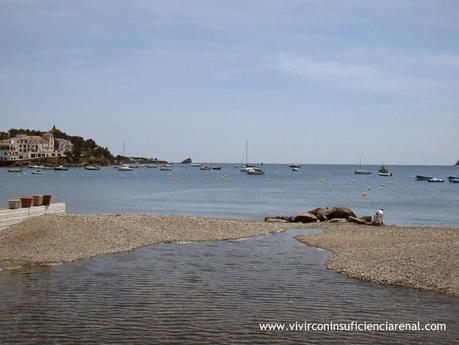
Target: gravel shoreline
(416,257)
(64,238)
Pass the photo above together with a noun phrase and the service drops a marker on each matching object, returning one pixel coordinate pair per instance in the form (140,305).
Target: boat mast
(246,152)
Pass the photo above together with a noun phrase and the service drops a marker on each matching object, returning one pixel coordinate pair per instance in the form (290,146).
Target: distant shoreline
(416,257)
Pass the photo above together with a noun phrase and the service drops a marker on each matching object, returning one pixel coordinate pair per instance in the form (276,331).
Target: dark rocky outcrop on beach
(457,163)
(322,214)
(187,161)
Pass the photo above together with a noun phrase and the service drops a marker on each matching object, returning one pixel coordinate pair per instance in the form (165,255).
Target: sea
(227,193)
(223,292)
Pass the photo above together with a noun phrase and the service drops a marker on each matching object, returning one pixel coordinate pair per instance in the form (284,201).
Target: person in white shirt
(378,217)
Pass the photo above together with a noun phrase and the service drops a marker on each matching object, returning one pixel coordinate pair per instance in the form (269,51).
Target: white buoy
(364,193)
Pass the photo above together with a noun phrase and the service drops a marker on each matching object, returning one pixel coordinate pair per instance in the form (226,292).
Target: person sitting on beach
(378,217)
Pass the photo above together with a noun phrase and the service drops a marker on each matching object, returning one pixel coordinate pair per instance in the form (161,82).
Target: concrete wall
(9,217)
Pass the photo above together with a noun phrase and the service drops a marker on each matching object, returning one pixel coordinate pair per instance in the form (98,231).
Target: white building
(25,147)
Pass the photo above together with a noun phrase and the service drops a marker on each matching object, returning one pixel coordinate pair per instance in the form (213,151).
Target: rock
(457,163)
(338,220)
(367,219)
(340,212)
(333,212)
(280,219)
(358,221)
(305,217)
(187,161)
(275,220)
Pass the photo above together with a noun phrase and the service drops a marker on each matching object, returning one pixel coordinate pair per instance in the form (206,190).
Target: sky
(326,82)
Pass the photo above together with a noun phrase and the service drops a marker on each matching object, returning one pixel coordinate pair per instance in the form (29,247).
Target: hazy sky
(307,81)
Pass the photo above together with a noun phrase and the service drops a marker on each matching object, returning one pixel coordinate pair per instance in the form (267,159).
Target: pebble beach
(415,257)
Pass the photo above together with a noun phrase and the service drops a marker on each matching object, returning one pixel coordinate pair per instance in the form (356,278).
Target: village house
(27,147)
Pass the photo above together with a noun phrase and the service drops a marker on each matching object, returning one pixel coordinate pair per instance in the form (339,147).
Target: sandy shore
(422,258)
(64,238)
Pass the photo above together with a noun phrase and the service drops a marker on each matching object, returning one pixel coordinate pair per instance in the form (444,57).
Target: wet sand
(416,257)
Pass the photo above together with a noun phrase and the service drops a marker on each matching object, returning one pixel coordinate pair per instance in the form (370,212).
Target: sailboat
(361,171)
(247,167)
(124,167)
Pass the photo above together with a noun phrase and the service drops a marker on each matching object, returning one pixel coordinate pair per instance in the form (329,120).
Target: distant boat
(166,167)
(124,167)
(255,171)
(295,165)
(454,180)
(383,171)
(361,171)
(435,179)
(134,166)
(152,166)
(36,166)
(196,165)
(61,168)
(295,169)
(209,167)
(14,170)
(37,172)
(247,167)
(423,178)
(92,167)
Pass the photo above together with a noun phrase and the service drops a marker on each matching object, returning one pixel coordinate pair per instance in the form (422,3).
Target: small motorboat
(423,178)
(383,171)
(37,172)
(454,180)
(166,167)
(92,167)
(435,179)
(36,166)
(295,165)
(209,167)
(362,172)
(125,168)
(134,166)
(255,171)
(152,166)
(15,170)
(196,165)
(61,168)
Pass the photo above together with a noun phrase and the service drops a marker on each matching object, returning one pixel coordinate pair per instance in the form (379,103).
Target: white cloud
(376,78)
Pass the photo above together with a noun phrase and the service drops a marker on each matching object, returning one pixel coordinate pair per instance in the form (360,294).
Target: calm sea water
(209,293)
(228,193)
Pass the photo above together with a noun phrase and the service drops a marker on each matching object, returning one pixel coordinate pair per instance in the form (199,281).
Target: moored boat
(14,170)
(295,165)
(454,180)
(435,179)
(361,171)
(423,178)
(92,167)
(37,172)
(61,168)
(255,171)
(166,167)
(36,166)
(383,171)
(125,167)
